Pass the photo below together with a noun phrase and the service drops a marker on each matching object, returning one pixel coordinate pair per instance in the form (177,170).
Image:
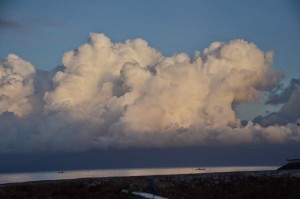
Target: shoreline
(239,184)
(97,173)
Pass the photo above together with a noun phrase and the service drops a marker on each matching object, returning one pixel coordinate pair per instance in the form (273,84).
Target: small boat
(60,172)
(293,160)
(200,169)
(137,194)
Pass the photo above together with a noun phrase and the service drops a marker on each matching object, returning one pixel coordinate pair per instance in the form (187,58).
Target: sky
(41,31)
(115,75)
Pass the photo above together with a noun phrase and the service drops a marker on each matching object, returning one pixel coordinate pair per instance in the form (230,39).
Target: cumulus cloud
(128,94)
(16,85)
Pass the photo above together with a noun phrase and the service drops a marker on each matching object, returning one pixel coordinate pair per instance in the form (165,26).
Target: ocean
(73,174)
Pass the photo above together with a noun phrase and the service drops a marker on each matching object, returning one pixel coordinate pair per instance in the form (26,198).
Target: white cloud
(16,85)
(129,94)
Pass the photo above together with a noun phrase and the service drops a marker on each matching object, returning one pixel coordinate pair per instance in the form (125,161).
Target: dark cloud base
(246,155)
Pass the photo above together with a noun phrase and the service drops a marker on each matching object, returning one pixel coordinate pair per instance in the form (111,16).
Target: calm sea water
(52,175)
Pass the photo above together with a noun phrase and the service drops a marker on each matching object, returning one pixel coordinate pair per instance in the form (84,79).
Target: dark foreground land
(240,185)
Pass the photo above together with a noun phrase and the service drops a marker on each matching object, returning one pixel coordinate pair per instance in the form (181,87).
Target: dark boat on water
(200,169)
(293,164)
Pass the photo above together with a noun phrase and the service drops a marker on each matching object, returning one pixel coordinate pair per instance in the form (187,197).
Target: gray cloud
(289,98)
(280,95)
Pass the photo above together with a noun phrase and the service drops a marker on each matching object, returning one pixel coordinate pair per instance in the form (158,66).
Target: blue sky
(41,31)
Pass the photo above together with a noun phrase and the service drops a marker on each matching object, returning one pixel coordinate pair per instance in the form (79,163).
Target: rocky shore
(254,184)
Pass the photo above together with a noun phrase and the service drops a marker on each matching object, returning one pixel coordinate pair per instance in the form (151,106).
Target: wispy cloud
(27,24)
(11,25)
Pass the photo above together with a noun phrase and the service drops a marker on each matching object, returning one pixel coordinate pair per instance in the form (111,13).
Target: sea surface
(60,175)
